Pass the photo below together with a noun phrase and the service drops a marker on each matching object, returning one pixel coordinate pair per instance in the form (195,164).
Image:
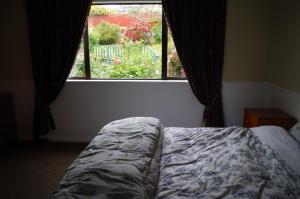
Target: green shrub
(157,32)
(175,68)
(132,64)
(104,34)
(98,10)
(78,67)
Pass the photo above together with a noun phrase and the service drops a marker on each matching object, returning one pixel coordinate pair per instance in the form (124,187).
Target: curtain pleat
(55,30)
(198,30)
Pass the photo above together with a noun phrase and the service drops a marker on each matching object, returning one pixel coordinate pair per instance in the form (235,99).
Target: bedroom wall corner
(284,57)
(285,99)
(284,45)
(240,95)
(15,67)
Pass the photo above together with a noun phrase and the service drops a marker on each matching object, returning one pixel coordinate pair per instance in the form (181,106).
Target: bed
(138,158)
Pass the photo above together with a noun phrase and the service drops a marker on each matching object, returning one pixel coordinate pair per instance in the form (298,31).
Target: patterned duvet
(126,158)
(222,163)
(122,161)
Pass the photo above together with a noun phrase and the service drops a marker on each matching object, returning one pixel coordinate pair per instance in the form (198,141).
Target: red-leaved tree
(139,31)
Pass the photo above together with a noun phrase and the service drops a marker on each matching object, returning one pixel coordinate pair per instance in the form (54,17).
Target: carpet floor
(33,171)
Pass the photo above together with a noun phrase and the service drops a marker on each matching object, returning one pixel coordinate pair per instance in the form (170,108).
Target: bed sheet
(282,143)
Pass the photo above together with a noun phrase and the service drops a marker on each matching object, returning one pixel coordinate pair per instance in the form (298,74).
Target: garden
(125,42)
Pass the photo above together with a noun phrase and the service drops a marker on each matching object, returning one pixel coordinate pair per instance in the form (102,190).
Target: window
(127,41)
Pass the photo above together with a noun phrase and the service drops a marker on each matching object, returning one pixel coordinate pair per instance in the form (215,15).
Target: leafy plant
(139,32)
(157,31)
(133,64)
(78,67)
(104,34)
(174,65)
(100,10)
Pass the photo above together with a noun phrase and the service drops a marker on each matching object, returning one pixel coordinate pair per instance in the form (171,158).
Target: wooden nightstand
(267,116)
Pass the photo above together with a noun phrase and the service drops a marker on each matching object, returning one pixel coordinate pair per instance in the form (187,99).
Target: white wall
(284,99)
(84,107)
(240,95)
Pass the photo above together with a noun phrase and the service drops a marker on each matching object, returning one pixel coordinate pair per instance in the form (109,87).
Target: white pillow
(280,141)
(295,131)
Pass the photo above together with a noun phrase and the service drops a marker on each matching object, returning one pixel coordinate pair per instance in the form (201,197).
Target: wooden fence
(107,53)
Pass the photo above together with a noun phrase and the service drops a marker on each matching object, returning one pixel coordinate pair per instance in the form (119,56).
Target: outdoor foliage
(133,64)
(104,34)
(134,52)
(139,32)
(157,32)
(78,68)
(174,65)
(174,69)
(97,10)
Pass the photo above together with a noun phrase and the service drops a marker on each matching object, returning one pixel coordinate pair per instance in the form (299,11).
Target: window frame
(164,57)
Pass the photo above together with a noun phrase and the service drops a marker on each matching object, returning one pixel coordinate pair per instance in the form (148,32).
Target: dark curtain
(55,29)
(198,30)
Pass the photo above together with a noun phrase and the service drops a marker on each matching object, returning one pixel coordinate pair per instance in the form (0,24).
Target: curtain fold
(198,30)
(55,30)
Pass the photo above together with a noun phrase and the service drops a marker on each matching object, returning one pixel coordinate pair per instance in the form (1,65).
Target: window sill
(128,80)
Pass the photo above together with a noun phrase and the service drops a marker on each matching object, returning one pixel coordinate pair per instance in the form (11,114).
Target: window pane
(125,41)
(78,67)
(174,66)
